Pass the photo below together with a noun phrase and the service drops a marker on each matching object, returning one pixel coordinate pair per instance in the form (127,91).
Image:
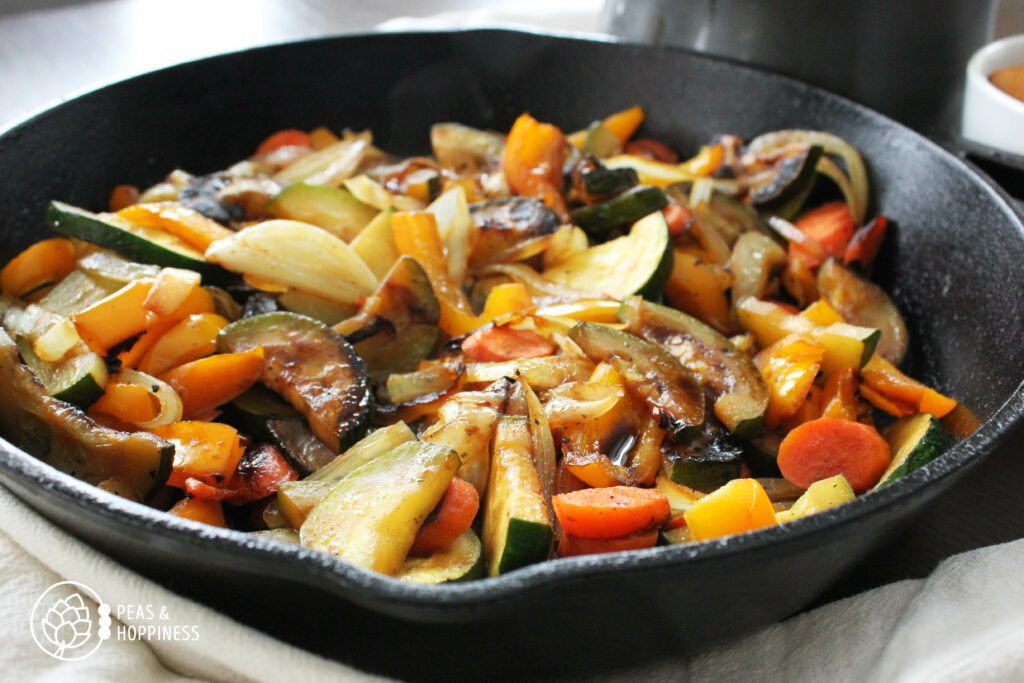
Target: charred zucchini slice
(462,561)
(68,440)
(651,372)
(505,222)
(708,464)
(609,181)
(914,441)
(397,326)
(312,367)
(517,526)
(740,393)
(630,206)
(786,187)
(865,304)
(371,517)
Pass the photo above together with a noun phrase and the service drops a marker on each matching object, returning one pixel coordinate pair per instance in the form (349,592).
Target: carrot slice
(122,196)
(506,343)
(825,447)
(43,263)
(534,156)
(259,474)
(571,546)
(204,511)
(678,219)
(610,512)
(453,515)
(831,226)
(289,137)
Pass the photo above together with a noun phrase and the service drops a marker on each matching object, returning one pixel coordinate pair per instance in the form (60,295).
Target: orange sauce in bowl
(1010,80)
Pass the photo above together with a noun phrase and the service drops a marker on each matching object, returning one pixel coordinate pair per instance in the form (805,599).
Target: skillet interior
(953,265)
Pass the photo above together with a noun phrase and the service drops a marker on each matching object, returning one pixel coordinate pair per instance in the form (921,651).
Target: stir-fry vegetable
(527,346)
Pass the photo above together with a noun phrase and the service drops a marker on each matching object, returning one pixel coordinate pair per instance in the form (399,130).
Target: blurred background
(50,48)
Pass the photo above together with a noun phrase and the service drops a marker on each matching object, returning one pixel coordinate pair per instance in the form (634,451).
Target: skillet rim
(383,593)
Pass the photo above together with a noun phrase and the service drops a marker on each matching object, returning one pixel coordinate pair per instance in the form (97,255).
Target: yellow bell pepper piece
(883,379)
(821,495)
(127,403)
(789,367)
(623,124)
(589,310)
(203,511)
(197,301)
(209,382)
(191,339)
(45,262)
(208,451)
(115,318)
(505,299)
(739,506)
(696,287)
(822,314)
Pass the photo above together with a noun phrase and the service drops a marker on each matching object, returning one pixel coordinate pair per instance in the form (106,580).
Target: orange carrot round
(610,512)
(505,343)
(570,546)
(828,446)
(453,515)
(289,137)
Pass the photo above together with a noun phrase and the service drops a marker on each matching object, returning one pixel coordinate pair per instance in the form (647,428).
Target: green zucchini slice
(462,561)
(914,441)
(651,372)
(707,465)
(609,181)
(312,367)
(785,190)
(630,206)
(638,263)
(371,517)
(331,208)
(148,245)
(740,393)
(78,380)
(517,526)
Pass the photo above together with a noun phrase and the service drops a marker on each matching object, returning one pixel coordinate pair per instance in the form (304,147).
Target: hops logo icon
(69,621)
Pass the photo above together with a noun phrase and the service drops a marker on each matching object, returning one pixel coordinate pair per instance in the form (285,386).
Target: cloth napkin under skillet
(963,623)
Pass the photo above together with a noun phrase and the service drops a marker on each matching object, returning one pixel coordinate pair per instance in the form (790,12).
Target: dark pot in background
(905,58)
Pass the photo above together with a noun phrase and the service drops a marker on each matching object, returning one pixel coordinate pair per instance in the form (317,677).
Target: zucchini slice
(68,440)
(461,561)
(78,380)
(312,367)
(609,181)
(785,189)
(397,326)
(638,263)
(148,245)
(331,208)
(517,527)
(371,517)
(708,465)
(914,441)
(504,222)
(303,448)
(865,304)
(741,395)
(630,206)
(651,372)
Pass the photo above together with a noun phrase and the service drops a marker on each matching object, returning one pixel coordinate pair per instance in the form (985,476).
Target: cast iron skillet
(953,265)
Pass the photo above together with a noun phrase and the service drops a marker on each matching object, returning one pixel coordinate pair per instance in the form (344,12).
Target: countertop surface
(50,48)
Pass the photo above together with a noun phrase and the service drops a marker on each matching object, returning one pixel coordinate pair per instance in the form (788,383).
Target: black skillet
(954,266)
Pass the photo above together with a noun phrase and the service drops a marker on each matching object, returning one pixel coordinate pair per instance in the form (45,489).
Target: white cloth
(963,623)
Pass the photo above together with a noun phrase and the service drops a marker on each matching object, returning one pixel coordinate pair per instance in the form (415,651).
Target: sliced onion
(537,283)
(701,192)
(55,343)
(578,402)
(544,458)
(828,168)
(171,408)
(831,144)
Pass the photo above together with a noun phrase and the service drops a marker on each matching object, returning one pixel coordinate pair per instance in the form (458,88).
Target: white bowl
(992,117)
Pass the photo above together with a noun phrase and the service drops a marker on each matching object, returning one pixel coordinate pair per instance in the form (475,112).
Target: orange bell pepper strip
(186,224)
(209,382)
(43,263)
(866,242)
(191,339)
(208,451)
(695,287)
(573,546)
(197,301)
(416,235)
(506,299)
(610,512)
(535,153)
(127,403)
(839,400)
(789,367)
(883,379)
(450,519)
(706,162)
(625,123)
(204,511)
(115,318)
